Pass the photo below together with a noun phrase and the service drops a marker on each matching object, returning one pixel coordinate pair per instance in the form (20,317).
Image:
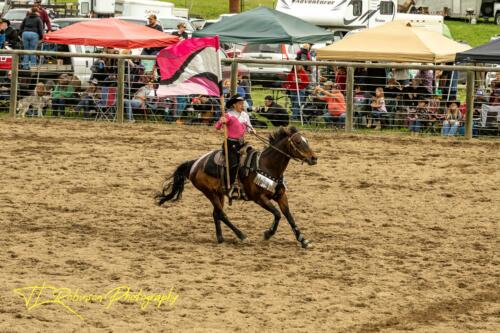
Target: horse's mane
(281,133)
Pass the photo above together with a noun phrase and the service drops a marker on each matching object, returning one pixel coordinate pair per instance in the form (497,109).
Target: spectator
(451,119)
(205,109)
(304,54)
(296,88)
(413,93)
(181,31)
(425,78)
(62,91)
(89,98)
(335,103)
(360,102)
(226,89)
(246,85)
(139,100)
(417,116)
(340,79)
(378,108)
(31,32)
(11,35)
(3,26)
(495,93)
(276,114)
(5,81)
(401,75)
(44,16)
(153,24)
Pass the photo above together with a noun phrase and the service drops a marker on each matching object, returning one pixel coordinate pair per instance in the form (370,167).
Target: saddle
(215,164)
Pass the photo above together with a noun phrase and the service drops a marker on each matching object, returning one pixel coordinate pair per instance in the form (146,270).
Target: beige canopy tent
(395,41)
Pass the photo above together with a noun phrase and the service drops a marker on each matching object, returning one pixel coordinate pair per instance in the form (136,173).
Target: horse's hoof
(267,235)
(220,240)
(306,244)
(242,237)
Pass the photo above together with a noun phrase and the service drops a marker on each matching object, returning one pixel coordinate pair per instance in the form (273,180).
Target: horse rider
(237,121)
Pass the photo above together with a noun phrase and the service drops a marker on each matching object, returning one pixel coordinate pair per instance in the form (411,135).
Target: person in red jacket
(296,88)
(43,15)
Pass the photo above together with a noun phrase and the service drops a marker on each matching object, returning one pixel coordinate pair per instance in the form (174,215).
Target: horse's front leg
(283,203)
(265,203)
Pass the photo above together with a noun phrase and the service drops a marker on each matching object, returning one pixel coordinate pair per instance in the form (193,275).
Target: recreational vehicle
(137,8)
(342,16)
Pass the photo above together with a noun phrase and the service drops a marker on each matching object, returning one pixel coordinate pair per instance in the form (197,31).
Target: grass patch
(473,34)
(212,9)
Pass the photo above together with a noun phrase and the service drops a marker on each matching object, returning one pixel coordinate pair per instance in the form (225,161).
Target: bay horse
(284,144)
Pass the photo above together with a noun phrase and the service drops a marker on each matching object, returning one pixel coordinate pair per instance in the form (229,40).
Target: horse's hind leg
(265,203)
(218,230)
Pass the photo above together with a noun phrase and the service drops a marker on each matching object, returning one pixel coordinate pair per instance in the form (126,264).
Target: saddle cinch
(215,164)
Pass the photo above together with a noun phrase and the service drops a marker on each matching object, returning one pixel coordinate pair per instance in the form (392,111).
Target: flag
(190,67)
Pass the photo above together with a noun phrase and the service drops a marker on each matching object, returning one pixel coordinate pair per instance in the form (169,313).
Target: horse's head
(296,144)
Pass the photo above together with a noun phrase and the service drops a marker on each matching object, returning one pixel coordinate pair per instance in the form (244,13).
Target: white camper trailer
(342,16)
(129,8)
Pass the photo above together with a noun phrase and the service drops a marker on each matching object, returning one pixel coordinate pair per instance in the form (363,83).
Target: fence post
(470,105)
(349,99)
(234,77)
(120,92)
(13,85)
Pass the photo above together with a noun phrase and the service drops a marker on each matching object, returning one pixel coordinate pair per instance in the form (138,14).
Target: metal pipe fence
(430,99)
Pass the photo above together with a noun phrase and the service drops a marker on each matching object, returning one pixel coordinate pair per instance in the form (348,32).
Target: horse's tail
(174,184)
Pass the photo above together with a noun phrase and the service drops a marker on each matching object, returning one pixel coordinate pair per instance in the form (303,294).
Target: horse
(284,144)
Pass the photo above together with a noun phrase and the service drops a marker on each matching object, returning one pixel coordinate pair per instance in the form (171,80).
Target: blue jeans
(182,102)
(30,42)
(58,106)
(85,104)
(339,120)
(449,129)
(294,98)
(129,105)
(415,125)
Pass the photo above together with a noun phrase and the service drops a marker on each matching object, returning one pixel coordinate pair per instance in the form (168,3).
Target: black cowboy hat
(233,100)
(456,102)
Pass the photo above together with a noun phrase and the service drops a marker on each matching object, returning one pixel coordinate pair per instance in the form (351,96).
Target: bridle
(292,145)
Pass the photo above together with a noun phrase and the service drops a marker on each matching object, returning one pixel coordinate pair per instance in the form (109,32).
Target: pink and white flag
(190,67)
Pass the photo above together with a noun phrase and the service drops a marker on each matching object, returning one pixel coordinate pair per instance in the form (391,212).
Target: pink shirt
(237,124)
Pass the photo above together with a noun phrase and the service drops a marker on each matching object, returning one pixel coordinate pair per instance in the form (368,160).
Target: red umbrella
(111,32)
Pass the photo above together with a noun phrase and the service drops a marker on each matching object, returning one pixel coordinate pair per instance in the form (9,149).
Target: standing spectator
(452,119)
(11,35)
(153,24)
(181,31)
(62,91)
(304,54)
(425,78)
(31,32)
(340,79)
(335,103)
(401,75)
(44,16)
(2,34)
(378,108)
(276,114)
(296,88)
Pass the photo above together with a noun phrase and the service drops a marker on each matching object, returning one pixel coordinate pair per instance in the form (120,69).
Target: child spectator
(378,108)
(60,95)
(89,98)
(451,119)
(418,116)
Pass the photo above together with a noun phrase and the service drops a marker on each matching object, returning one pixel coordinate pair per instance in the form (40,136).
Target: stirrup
(234,192)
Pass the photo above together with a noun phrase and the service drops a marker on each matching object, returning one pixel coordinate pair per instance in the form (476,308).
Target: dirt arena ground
(405,234)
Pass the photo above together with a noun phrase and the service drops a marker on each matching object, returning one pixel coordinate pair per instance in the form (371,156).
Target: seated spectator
(451,119)
(246,85)
(39,100)
(226,90)
(413,92)
(205,109)
(495,94)
(425,78)
(89,99)
(140,99)
(276,114)
(378,108)
(62,92)
(418,116)
(335,103)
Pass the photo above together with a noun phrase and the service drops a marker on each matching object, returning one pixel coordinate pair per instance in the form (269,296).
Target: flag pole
(223,115)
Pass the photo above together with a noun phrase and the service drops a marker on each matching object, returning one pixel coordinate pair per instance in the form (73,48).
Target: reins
(263,139)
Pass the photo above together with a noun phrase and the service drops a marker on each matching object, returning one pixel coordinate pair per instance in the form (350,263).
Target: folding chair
(107,105)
